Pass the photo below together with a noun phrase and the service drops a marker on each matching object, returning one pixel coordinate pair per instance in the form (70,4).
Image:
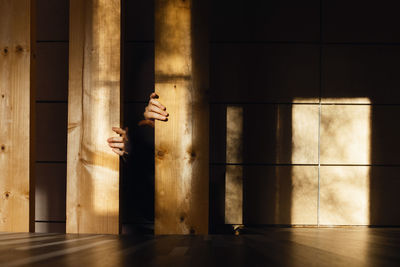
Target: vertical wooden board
(182,144)
(93,109)
(16,115)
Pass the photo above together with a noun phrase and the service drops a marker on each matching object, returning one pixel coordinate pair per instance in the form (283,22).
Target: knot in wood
(160,153)
(7,194)
(2,96)
(19,49)
(5,50)
(192,156)
(3,147)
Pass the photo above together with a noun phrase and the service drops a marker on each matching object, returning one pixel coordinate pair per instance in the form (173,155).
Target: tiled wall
(318,82)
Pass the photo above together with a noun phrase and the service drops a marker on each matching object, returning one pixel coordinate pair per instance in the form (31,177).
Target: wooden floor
(261,247)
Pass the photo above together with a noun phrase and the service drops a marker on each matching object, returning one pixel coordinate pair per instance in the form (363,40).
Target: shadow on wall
(251,144)
(305,163)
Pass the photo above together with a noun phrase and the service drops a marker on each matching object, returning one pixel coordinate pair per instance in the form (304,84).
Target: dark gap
(52,41)
(49,221)
(51,102)
(51,162)
(139,42)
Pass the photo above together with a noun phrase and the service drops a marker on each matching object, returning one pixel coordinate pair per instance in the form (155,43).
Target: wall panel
(263,21)
(52,72)
(52,20)
(354,72)
(51,136)
(50,192)
(264,73)
(361,21)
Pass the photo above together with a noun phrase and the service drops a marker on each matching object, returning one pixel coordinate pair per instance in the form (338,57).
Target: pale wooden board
(93,109)
(16,115)
(181,144)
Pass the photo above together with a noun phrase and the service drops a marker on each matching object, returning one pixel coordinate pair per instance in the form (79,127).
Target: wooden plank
(182,144)
(94,107)
(17,46)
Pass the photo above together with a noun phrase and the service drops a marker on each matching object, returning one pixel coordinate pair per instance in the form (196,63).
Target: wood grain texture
(17,46)
(93,108)
(182,143)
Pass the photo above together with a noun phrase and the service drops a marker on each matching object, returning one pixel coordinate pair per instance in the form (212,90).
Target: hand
(119,144)
(154,111)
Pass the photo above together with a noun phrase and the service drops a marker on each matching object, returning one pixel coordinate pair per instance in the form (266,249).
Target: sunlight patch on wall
(344,195)
(345,134)
(305,134)
(234,174)
(344,139)
(305,120)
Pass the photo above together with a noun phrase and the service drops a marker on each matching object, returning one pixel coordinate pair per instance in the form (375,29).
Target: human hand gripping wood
(154,111)
(119,144)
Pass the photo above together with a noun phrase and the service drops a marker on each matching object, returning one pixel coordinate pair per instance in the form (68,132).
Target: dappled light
(234,173)
(339,194)
(93,109)
(304,207)
(181,144)
(104,89)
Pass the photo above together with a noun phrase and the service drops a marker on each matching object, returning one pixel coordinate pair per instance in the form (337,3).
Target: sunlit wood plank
(93,108)
(17,46)
(182,152)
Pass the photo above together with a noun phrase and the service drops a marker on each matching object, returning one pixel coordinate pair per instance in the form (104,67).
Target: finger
(118,139)
(117,151)
(155,116)
(153,96)
(157,104)
(117,145)
(118,130)
(158,110)
(146,122)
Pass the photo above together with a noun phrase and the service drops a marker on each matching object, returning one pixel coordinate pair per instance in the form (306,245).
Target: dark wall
(265,55)
(51,111)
